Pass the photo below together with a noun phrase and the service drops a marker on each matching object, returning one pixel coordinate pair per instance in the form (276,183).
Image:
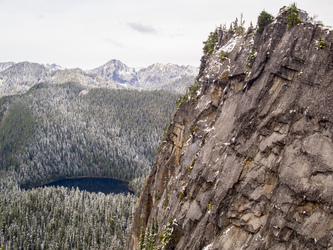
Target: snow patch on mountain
(5,65)
(53,66)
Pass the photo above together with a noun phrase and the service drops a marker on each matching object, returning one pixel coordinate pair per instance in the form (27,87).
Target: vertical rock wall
(248,163)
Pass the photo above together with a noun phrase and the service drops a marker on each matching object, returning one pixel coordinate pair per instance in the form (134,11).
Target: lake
(94,184)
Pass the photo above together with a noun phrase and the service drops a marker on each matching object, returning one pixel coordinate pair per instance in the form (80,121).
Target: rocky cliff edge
(248,159)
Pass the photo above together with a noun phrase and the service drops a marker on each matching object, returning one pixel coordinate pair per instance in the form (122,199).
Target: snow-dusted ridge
(17,78)
(5,65)
(157,74)
(20,77)
(53,66)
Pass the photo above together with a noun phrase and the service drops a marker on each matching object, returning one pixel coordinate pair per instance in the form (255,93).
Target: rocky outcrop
(247,163)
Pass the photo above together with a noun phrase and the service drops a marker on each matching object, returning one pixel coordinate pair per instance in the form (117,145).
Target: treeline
(58,131)
(60,218)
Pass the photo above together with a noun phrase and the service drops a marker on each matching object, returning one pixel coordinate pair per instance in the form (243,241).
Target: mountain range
(17,78)
(154,75)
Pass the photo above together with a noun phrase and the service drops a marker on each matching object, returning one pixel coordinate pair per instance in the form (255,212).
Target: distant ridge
(20,77)
(17,78)
(155,75)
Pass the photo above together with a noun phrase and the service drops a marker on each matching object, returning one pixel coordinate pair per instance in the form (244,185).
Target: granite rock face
(248,163)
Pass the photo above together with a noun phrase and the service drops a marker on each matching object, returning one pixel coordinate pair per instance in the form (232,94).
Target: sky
(88,33)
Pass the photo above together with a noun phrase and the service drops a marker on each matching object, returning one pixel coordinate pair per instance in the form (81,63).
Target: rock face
(248,162)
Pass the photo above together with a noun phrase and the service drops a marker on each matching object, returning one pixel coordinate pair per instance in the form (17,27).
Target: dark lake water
(93,184)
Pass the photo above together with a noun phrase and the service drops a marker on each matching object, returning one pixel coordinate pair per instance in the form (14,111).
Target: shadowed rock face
(249,163)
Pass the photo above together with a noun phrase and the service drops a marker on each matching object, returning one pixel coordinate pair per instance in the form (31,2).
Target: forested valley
(62,131)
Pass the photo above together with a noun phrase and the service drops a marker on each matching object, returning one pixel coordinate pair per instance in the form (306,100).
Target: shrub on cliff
(263,20)
(292,15)
(190,95)
(209,45)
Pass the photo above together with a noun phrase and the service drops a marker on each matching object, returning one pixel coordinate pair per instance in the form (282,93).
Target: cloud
(142,28)
(175,33)
(114,42)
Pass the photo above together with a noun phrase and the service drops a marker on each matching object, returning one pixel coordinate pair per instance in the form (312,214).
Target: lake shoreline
(50,183)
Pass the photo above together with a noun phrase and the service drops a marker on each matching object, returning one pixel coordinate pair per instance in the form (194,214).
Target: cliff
(248,159)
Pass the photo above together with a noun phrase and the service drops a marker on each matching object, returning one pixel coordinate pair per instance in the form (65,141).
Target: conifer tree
(263,20)
(292,15)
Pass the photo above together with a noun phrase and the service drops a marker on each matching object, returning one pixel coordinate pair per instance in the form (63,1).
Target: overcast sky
(88,33)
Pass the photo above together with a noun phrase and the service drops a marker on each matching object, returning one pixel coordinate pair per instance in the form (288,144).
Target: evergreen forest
(54,132)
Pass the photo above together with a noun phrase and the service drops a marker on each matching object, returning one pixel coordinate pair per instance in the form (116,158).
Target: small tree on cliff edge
(292,15)
(263,20)
(209,45)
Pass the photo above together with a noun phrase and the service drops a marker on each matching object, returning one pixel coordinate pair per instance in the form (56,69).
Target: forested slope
(58,131)
(60,218)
